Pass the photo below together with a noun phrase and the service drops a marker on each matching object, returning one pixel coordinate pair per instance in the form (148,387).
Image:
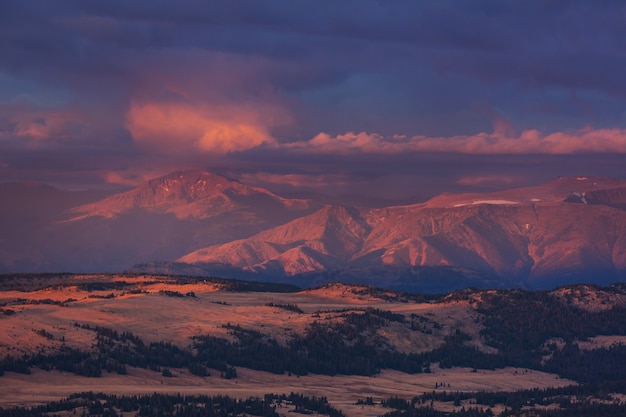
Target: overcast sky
(389,99)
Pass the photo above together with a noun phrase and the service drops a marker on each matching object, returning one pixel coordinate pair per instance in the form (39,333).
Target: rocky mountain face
(571,229)
(567,230)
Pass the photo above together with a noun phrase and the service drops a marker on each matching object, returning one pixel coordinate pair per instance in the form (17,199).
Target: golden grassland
(154,316)
(342,391)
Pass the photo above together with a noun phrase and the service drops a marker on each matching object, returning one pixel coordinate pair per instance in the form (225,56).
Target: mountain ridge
(565,230)
(186,194)
(161,219)
(521,237)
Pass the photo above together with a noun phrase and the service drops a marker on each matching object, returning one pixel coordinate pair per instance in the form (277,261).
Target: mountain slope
(559,232)
(188,195)
(319,241)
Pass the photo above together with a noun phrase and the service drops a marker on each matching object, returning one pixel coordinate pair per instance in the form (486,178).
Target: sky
(392,100)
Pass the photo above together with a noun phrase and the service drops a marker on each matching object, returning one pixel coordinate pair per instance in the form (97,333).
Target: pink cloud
(499,142)
(503,127)
(351,142)
(204,103)
(182,128)
(34,126)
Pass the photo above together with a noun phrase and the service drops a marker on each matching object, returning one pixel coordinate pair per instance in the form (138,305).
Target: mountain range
(571,229)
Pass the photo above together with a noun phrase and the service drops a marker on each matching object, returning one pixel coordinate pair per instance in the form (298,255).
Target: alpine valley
(569,230)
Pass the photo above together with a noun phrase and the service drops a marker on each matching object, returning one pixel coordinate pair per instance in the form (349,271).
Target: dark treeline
(104,285)
(48,301)
(318,351)
(573,410)
(288,307)
(107,405)
(431,412)
(572,401)
(177,294)
(521,321)
(589,366)
(104,281)
(518,399)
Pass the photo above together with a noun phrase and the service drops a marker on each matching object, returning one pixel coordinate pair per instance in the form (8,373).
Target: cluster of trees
(257,286)
(589,366)
(289,307)
(178,294)
(30,281)
(424,324)
(104,282)
(376,312)
(565,396)
(48,301)
(522,320)
(330,349)
(347,347)
(518,323)
(104,285)
(66,359)
(109,405)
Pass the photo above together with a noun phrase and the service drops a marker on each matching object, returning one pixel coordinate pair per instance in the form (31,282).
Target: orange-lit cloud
(499,142)
(182,127)
(350,142)
(35,126)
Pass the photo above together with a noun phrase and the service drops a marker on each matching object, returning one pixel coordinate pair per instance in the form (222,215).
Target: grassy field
(43,320)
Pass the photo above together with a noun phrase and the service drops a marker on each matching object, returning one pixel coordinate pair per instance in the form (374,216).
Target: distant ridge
(570,229)
(562,231)
(161,219)
(186,194)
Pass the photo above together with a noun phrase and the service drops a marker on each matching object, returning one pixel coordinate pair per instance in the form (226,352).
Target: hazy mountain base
(539,235)
(416,279)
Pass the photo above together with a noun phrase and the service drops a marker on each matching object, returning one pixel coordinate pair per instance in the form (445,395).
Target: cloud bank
(528,142)
(176,128)
(360,95)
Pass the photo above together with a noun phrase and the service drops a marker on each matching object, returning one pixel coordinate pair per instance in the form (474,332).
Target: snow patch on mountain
(492,202)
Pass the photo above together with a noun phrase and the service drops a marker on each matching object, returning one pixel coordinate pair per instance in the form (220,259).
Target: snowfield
(494,202)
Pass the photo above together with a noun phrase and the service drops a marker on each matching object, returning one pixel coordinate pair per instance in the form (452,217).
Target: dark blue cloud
(408,67)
